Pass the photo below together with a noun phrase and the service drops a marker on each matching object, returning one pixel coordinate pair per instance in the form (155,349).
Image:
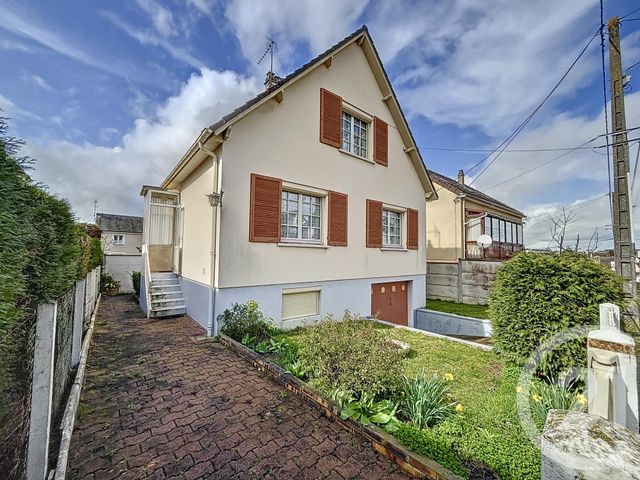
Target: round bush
(535,296)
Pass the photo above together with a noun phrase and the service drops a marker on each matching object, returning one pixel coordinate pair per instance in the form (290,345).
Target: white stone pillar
(612,371)
(78,317)
(41,392)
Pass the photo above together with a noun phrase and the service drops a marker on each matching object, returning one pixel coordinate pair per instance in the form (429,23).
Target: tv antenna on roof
(270,48)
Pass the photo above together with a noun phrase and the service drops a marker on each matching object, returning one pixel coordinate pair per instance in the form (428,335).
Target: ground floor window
(300,303)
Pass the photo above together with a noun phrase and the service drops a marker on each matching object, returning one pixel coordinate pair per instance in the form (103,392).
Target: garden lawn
(466,310)
(487,431)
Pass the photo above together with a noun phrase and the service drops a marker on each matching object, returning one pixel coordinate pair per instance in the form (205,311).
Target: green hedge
(536,296)
(42,252)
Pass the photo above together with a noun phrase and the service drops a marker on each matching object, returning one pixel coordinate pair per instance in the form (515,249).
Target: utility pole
(624,247)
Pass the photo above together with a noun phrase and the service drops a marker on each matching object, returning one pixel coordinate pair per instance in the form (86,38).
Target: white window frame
(114,242)
(367,141)
(386,212)
(299,215)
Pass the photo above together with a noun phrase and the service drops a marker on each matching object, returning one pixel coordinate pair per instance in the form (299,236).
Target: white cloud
(38,81)
(28,28)
(491,61)
(203,6)
(318,24)
(6,44)
(10,109)
(161,17)
(147,38)
(145,154)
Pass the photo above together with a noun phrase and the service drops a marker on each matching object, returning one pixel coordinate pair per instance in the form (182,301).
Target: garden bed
(414,464)
(443,400)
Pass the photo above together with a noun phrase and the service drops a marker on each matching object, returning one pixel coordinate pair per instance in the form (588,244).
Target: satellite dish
(484,241)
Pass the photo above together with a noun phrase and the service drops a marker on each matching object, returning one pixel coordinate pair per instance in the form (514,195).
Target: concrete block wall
(465,281)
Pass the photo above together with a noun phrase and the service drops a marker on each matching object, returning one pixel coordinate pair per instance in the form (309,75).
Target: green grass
(488,430)
(475,311)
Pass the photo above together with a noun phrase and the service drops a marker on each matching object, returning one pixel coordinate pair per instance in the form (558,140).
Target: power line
(517,131)
(538,166)
(575,206)
(627,14)
(634,65)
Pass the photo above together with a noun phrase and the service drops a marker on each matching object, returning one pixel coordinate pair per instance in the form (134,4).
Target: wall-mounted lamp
(215,199)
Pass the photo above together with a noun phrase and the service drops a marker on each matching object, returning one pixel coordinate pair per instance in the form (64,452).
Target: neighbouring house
(309,199)
(458,269)
(461,214)
(122,247)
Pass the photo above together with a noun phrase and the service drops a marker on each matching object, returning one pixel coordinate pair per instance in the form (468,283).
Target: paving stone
(163,406)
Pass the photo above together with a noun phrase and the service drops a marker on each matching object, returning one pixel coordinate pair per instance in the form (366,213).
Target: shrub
(535,296)
(246,320)
(135,279)
(107,282)
(352,355)
(547,396)
(426,400)
(367,411)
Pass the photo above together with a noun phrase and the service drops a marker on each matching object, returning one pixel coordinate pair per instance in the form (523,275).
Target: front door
(389,302)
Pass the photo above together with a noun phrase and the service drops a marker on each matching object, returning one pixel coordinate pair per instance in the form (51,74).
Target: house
(309,199)
(461,214)
(122,247)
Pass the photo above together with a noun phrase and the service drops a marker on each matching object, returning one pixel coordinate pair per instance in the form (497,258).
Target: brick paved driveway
(157,404)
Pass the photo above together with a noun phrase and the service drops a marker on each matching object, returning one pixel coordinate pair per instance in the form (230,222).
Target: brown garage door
(389,302)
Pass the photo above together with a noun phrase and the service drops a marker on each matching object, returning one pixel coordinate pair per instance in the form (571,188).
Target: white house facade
(309,199)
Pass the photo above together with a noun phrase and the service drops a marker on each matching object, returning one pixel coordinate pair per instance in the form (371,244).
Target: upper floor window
(118,239)
(354,135)
(391,228)
(300,217)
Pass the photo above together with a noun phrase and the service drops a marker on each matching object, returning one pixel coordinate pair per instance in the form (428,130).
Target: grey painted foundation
(143,294)
(335,297)
(451,324)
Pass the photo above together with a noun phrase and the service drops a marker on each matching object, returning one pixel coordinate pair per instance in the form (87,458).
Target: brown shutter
(380,142)
(264,212)
(338,219)
(412,229)
(374,224)
(330,118)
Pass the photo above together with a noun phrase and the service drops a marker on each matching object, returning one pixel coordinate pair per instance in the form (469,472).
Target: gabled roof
(471,193)
(109,222)
(364,39)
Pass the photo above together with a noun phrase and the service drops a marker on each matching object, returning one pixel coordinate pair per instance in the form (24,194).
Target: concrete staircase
(166,295)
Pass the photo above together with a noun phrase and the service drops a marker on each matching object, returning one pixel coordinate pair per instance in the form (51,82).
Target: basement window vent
(298,303)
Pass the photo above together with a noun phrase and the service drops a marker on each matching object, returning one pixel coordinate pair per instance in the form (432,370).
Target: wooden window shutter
(380,142)
(338,219)
(412,229)
(374,224)
(330,118)
(264,211)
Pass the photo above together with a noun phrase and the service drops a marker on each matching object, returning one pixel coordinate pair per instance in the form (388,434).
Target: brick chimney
(461,176)
(272,80)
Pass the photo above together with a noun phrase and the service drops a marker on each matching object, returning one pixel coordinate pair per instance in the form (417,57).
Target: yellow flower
(448,377)
(459,408)
(581,398)
(536,397)
(519,389)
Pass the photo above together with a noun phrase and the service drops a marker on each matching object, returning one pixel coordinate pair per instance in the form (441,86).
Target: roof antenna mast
(272,79)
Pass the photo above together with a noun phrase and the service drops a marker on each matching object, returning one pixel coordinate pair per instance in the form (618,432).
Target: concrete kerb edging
(437,335)
(69,418)
(414,464)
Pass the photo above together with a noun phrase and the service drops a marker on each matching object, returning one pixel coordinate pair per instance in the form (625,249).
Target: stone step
(161,275)
(165,282)
(167,302)
(167,312)
(166,294)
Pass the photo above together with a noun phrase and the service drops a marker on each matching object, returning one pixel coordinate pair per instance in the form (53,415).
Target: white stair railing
(147,277)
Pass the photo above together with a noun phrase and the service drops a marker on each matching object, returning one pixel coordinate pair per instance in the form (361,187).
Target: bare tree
(593,242)
(559,224)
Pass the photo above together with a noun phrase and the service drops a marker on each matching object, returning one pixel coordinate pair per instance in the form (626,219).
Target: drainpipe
(212,322)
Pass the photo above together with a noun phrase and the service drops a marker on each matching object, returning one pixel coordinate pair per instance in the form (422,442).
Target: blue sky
(108,95)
